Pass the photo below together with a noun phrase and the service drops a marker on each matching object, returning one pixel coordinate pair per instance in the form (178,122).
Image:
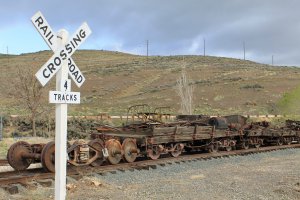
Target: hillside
(116,80)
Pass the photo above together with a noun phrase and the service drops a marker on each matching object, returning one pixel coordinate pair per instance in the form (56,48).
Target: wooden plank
(179,138)
(220,133)
(163,130)
(185,130)
(203,129)
(201,136)
(161,139)
(122,134)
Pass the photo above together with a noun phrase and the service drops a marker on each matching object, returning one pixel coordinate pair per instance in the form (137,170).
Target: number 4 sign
(66,85)
(64,95)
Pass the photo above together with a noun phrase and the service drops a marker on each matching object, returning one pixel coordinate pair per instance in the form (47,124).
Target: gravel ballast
(271,175)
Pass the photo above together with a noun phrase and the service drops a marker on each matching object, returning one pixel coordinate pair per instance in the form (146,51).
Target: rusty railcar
(152,138)
(146,134)
(263,133)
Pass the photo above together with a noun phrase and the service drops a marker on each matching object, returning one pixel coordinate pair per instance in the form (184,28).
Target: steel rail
(26,176)
(3,162)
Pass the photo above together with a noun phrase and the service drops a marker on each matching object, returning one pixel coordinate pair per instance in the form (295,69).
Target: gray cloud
(269,27)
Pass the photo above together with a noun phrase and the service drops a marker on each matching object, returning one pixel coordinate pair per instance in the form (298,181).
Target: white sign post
(61,117)
(61,63)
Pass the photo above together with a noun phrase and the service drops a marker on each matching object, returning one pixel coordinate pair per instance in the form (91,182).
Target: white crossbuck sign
(62,65)
(54,63)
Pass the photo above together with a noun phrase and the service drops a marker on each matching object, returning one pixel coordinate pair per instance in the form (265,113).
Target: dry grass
(115,81)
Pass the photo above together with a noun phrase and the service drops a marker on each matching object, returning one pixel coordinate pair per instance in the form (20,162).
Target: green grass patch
(290,102)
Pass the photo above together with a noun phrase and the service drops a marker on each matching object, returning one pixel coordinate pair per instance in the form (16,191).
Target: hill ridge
(116,80)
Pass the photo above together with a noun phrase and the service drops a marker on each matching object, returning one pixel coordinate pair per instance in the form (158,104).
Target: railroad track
(23,177)
(3,162)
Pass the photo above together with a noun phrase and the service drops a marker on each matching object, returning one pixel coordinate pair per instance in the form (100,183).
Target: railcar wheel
(287,141)
(114,151)
(279,142)
(245,145)
(177,150)
(15,155)
(98,145)
(228,148)
(130,150)
(48,157)
(213,148)
(153,152)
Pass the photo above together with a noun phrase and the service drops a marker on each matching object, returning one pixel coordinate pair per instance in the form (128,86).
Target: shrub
(255,86)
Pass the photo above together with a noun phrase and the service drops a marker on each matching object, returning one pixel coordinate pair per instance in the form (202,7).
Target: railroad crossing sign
(60,54)
(61,64)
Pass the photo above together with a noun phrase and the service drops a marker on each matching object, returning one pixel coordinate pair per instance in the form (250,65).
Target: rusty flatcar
(148,136)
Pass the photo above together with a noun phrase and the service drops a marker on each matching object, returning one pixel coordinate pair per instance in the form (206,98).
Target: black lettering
(78,39)
(63,97)
(71,66)
(51,68)
(71,97)
(66,85)
(59,97)
(57,61)
(55,96)
(49,39)
(48,34)
(72,44)
(79,79)
(82,33)
(75,97)
(69,49)
(39,20)
(75,74)
(70,61)
(63,54)
(67,97)
(44,73)
(44,28)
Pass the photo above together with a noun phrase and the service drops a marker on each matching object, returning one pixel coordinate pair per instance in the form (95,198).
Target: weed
(255,86)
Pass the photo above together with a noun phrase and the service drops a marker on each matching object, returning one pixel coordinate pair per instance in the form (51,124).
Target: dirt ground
(272,175)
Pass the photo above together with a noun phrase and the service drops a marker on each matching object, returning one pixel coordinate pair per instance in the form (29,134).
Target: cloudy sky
(173,27)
